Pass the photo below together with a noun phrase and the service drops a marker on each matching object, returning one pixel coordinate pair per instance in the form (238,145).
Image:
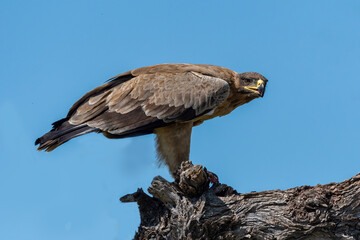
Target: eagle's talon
(212,177)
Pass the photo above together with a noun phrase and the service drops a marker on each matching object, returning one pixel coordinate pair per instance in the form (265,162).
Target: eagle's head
(251,84)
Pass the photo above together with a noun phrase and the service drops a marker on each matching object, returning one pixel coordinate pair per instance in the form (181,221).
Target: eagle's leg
(173,144)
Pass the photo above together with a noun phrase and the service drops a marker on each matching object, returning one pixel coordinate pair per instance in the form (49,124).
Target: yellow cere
(259,82)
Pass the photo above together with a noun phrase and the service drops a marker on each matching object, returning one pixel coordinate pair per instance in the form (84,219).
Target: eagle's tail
(62,132)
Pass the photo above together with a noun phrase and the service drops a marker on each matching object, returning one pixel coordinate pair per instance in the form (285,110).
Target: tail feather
(62,132)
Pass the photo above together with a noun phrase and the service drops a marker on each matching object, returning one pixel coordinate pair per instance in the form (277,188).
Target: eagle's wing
(150,101)
(132,105)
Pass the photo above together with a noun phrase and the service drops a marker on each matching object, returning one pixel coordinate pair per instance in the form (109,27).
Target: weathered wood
(189,209)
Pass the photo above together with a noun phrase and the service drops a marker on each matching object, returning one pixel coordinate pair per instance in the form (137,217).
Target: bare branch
(189,209)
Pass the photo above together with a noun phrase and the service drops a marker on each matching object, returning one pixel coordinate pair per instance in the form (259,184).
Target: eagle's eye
(247,80)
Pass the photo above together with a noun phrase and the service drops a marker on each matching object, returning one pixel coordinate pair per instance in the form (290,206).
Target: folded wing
(141,104)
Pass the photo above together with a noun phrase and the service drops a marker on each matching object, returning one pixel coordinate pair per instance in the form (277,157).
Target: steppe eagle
(165,99)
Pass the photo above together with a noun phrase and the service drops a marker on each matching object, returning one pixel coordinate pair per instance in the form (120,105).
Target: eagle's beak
(260,88)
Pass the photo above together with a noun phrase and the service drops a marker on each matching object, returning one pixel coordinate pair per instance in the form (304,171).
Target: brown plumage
(165,99)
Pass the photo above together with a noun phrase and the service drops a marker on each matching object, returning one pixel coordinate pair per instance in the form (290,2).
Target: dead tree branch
(189,209)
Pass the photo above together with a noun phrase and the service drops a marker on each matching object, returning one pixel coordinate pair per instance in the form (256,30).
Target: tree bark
(189,209)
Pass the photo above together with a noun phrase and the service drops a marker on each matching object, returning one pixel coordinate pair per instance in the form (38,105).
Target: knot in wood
(310,204)
(193,180)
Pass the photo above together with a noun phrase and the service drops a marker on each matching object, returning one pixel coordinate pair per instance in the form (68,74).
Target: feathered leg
(173,144)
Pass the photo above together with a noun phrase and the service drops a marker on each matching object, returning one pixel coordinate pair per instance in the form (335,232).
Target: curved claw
(212,177)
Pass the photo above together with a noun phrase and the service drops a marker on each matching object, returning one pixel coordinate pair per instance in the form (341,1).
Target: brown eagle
(165,99)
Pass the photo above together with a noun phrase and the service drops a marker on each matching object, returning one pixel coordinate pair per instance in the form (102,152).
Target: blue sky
(304,131)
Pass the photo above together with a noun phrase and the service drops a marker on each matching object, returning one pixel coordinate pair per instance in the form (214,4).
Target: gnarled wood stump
(189,209)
